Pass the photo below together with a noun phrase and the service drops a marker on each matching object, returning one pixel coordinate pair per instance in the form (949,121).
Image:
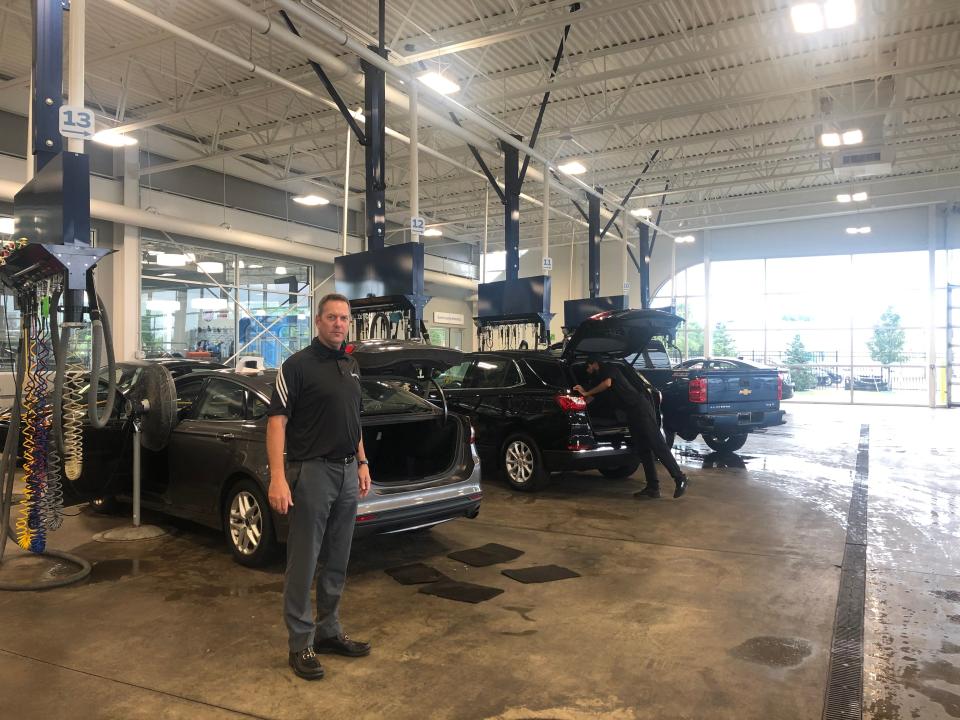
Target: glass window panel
(694,277)
(222,400)
(737,311)
(800,311)
(454,377)
(803,274)
(891,271)
(737,278)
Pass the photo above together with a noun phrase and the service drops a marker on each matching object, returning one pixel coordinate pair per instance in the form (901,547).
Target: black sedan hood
(403,358)
(620,333)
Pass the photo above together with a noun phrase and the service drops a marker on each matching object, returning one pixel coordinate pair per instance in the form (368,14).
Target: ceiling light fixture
(256,267)
(211,268)
(7,226)
(168,274)
(433,232)
(280,270)
(164,306)
(843,198)
(310,200)
(574,167)
(852,137)
(865,230)
(811,17)
(684,239)
(114,139)
(860,197)
(830,139)
(642,212)
(438,82)
(209,303)
(171,259)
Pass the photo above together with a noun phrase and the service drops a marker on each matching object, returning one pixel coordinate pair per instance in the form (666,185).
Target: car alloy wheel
(519,462)
(246,523)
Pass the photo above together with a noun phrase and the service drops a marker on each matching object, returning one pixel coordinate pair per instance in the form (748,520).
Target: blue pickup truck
(719,398)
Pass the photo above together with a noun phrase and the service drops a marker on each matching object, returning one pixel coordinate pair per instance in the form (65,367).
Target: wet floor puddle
(773,651)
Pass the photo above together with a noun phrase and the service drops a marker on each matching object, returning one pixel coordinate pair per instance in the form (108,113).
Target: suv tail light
(570,402)
(697,391)
(779,387)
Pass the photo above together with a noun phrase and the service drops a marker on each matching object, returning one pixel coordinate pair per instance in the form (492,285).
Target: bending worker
(642,421)
(315,410)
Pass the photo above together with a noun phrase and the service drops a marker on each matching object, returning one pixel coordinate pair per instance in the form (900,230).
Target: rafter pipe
(545,245)
(346,194)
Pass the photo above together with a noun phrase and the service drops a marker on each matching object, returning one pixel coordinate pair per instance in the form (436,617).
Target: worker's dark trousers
(648,443)
(325,497)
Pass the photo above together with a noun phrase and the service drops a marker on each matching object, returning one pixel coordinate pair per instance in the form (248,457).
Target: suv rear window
(492,372)
(550,372)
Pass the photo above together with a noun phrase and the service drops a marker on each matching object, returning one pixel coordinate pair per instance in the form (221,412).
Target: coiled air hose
(8,467)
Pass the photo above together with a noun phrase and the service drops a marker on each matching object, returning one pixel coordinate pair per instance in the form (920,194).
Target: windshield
(391,397)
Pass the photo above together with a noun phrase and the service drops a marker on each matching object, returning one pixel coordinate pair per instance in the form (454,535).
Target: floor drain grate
(844,695)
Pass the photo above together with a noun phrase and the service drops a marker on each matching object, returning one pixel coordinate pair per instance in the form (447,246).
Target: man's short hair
(591,359)
(331,297)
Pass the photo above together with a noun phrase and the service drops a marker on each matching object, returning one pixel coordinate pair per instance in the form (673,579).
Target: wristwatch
(363,462)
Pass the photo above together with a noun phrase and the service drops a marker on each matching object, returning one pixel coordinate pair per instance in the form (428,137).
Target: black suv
(527,419)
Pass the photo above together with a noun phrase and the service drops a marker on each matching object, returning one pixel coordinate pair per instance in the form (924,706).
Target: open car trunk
(607,422)
(415,451)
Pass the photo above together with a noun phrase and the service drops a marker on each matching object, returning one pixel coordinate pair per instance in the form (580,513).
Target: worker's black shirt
(318,389)
(622,394)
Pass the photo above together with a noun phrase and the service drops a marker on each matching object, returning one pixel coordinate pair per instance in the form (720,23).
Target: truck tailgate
(747,390)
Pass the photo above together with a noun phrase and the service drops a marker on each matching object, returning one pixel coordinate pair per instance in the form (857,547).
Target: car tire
(725,444)
(621,472)
(248,524)
(522,464)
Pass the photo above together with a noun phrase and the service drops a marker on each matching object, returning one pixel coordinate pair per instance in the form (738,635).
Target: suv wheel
(248,524)
(522,464)
(621,472)
(725,444)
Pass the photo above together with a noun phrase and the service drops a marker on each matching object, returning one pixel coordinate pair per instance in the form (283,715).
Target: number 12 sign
(76,122)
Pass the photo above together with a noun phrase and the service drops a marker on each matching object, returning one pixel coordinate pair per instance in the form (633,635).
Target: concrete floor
(719,605)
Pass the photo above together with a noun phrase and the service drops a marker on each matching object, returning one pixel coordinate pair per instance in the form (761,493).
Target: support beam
(374,112)
(48,80)
(593,248)
(626,198)
(644,248)
(511,210)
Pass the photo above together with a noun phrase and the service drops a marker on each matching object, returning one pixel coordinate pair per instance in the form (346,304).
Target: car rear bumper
(397,512)
(738,423)
(603,456)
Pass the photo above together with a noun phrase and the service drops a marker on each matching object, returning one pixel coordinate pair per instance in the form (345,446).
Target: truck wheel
(522,465)
(248,524)
(621,472)
(725,444)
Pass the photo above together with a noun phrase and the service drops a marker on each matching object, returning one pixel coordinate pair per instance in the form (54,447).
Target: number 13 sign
(76,122)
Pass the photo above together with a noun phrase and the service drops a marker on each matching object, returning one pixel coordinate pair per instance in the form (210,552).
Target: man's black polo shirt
(318,389)
(622,394)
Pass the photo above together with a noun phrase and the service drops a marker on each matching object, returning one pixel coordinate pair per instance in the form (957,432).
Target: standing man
(642,421)
(315,410)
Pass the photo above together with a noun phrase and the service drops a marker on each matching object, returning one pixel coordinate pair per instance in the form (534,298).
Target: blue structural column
(593,246)
(644,247)
(374,102)
(47,80)
(511,209)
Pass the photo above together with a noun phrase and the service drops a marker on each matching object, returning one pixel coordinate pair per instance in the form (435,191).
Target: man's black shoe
(306,665)
(342,645)
(681,486)
(650,491)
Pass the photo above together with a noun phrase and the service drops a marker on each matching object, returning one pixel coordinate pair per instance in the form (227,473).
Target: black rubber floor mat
(489,554)
(461,591)
(540,574)
(415,574)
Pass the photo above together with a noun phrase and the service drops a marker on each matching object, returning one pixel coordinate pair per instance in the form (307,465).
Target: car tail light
(779,388)
(697,391)
(570,402)
(365,518)
(579,446)
(476,496)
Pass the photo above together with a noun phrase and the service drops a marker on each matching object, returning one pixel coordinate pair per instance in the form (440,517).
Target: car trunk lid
(619,334)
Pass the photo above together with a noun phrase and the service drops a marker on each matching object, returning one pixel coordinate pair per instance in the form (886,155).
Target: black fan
(153,399)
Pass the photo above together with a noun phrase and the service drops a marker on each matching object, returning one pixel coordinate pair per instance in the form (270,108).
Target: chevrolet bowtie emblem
(746,391)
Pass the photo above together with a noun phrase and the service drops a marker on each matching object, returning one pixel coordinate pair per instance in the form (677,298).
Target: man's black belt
(342,460)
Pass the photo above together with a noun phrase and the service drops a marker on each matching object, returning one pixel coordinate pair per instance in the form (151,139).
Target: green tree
(723,344)
(797,358)
(689,335)
(886,347)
